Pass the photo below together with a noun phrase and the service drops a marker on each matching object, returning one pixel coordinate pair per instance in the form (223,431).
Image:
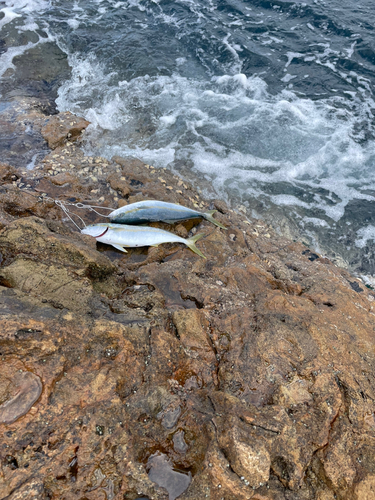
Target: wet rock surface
(28,91)
(21,142)
(61,127)
(157,374)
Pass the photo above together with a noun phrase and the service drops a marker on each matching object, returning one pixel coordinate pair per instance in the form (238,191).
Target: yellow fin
(208,216)
(191,244)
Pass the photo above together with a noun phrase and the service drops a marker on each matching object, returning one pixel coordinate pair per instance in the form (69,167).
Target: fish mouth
(103,233)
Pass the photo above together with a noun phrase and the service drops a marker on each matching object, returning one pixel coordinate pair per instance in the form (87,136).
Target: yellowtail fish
(154,210)
(121,236)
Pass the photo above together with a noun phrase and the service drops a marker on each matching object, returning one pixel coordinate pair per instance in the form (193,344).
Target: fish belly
(139,238)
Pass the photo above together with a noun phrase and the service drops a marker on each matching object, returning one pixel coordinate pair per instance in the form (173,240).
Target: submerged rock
(246,375)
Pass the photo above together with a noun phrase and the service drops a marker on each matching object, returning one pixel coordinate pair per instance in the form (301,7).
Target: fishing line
(67,213)
(91,208)
(64,204)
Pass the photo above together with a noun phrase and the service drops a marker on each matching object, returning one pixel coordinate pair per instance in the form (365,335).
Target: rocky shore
(157,374)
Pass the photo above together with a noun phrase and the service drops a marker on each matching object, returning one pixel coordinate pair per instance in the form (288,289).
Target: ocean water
(270,102)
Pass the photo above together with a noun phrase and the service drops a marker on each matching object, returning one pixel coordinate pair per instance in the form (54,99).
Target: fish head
(95,230)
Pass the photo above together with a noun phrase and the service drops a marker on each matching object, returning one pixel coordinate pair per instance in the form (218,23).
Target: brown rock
(193,332)
(31,237)
(62,179)
(297,392)
(7,173)
(119,184)
(248,457)
(338,464)
(365,490)
(59,128)
(63,288)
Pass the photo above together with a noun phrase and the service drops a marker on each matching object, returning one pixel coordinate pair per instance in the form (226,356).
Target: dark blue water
(270,102)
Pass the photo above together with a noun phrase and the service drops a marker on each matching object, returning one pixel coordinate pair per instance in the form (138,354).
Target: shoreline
(22,121)
(160,374)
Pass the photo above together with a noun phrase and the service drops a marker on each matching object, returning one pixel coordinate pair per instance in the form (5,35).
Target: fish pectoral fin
(119,247)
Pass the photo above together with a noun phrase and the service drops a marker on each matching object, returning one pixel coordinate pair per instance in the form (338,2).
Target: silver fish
(121,236)
(154,210)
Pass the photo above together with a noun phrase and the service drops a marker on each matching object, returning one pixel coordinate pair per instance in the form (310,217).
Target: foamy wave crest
(85,93)
(26,5)
(364,235)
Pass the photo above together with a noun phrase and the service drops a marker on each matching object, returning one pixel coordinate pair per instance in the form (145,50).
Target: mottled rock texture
(59,128)
(252,371)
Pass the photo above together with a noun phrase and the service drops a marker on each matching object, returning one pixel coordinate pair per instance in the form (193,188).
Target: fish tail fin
(208,216)
(191,244)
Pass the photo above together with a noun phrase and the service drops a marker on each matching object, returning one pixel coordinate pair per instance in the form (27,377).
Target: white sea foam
(31,165)
(288,77)
(314,220)
(9,15)
(27,5)
(364,235)
(311,157)
(291,56)
(6,59)
(23,11)
(28,26)
(168,120)
(73,23)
